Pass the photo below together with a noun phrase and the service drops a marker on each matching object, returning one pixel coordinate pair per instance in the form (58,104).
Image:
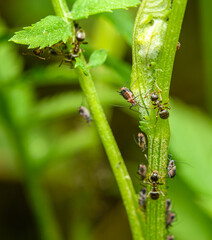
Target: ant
(162,110)
(80,37)
(85,114)
(154,182)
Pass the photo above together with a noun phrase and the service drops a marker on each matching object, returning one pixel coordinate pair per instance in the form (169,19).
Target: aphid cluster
(170,216)
(67,52)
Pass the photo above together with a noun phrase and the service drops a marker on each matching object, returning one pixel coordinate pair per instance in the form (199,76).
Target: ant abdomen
(154,195)
(164,114)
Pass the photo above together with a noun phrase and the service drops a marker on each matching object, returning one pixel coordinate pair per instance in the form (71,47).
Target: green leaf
(84,8)
(46,32)
(97,58)
(81,65)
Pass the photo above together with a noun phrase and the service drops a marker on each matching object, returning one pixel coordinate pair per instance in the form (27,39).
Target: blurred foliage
(46,147)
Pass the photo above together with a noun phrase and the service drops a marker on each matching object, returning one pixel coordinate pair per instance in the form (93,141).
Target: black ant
(162,110)
(154,182)
(85,114)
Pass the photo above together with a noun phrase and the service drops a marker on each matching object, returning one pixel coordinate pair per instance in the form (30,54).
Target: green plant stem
(156,33)
(119,169)
(61,9)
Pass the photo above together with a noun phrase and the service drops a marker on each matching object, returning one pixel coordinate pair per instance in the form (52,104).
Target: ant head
(154,177)
(80,35)
(143,191)
(164,114)
(154,97)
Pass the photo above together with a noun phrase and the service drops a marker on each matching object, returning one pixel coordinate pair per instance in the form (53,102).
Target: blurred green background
(55,179)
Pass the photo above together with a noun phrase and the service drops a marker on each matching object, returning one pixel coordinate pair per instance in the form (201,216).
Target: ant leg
(162,193)
(60,63)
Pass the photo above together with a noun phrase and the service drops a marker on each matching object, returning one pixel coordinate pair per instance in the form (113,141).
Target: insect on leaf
(97,58)
(46,32)
(84,8)
(81,65)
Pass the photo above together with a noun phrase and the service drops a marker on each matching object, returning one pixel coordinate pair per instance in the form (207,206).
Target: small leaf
(84,8)
(81,65)
(46,32)
(97,58)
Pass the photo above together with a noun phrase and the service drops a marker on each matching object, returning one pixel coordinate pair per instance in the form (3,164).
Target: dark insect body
(142,171)
(162,110)
(85,114)
(170,218)
(154,182)
(170,237)
(142,141)
(142,198)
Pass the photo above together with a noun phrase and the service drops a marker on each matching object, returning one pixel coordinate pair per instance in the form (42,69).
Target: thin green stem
(61,9)
(119,169)
(156,33)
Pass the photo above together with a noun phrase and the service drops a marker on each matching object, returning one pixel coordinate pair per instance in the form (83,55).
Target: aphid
(170,237)
(142,198)
(85,114)
(171,169)
(154,182)
(178,45)
(128,95)
(170,219)
(142,171)
(142,141)
(168,205)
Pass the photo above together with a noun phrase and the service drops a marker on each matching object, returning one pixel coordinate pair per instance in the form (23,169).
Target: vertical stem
(119,169)
(61,9)
(156,33)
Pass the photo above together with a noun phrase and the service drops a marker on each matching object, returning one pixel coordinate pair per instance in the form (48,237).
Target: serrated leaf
(81,65)
(97,58)
(84,8)
(46,32)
